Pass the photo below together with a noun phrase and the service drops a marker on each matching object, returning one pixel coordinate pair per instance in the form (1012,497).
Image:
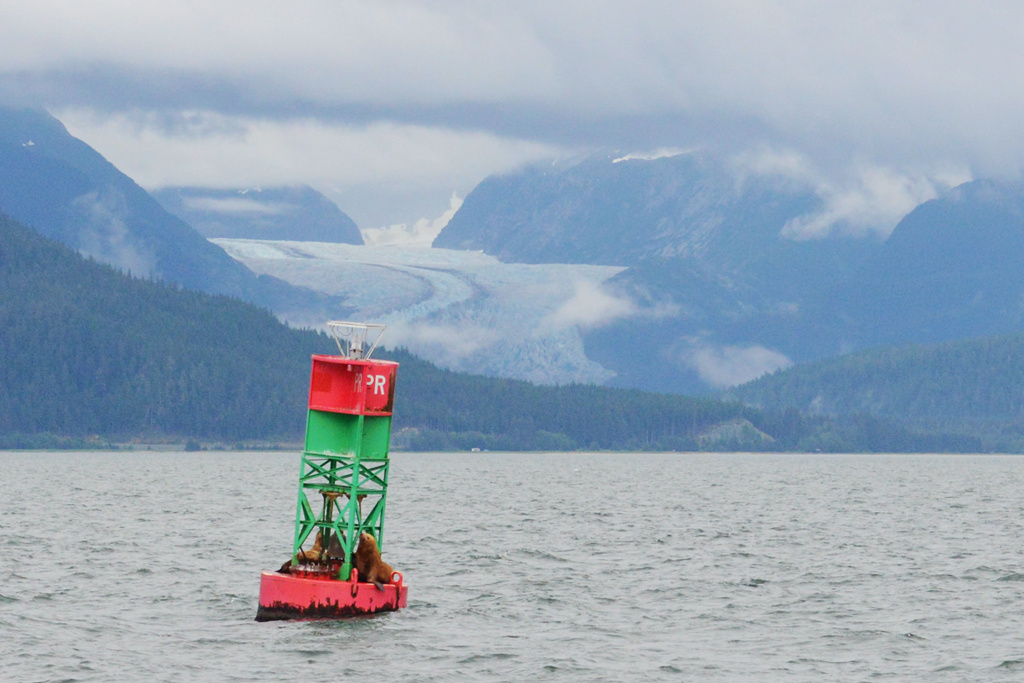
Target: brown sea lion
(314,554)
(371,568)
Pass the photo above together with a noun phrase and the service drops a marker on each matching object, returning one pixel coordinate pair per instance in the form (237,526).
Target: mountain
(281,213)
(63,188)
(670,275)
(721,293)
(89,350)
(972,386)
(951,269)
(610,211)
(699,327)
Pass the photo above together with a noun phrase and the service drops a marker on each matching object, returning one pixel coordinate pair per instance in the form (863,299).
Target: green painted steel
(343,482)
(341,433)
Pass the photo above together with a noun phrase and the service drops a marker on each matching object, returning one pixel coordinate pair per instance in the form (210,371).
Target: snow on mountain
(420,234)
(660,153)
(461,309)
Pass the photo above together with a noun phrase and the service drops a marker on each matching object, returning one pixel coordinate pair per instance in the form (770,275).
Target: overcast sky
(389,107)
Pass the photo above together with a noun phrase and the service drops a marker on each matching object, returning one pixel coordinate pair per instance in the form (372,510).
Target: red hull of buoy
(284,596)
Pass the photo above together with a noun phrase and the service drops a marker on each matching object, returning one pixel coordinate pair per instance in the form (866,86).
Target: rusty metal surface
(286,596)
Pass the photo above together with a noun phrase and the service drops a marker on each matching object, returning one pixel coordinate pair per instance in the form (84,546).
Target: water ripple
(599,567)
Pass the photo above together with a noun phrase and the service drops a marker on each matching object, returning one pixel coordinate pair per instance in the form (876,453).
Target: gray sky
(389,107)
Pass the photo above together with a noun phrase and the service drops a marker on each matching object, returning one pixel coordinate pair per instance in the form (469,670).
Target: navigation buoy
(344,475)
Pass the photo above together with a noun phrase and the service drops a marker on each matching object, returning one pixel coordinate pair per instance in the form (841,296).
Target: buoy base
(285,596)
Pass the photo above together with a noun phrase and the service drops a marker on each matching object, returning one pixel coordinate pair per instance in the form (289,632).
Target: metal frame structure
(352,338)
(343,476)
(343,483)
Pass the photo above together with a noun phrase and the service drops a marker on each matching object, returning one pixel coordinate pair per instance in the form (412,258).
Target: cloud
(590,306)
(888,87)
(213,150)
(865,199)
(420,234)
(787,163)
(207,146)
(356,46)
(235,205)
(448,343)
(727,366)
(104,236)
(801,70)
(874,202)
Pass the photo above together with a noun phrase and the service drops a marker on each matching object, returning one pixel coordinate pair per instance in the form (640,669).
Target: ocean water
(582,567)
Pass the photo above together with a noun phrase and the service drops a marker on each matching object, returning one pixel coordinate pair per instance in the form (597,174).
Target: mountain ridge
(297,213)
(619,212)
(726,290)
(66,190)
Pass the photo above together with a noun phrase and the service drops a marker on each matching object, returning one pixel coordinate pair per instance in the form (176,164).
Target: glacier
(463,310)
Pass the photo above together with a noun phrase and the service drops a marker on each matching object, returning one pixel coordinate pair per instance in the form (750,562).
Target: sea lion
(371,568)
(314,554)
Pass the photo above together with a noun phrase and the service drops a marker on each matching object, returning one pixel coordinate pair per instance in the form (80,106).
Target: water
(145,566)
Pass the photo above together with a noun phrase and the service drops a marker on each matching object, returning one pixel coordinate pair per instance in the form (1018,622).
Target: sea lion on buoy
(314,554)
(371,568)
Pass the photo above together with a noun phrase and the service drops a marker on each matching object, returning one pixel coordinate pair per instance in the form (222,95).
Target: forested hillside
(88,350)
(970,386)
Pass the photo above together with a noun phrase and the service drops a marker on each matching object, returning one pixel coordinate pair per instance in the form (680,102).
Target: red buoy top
(353,386)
